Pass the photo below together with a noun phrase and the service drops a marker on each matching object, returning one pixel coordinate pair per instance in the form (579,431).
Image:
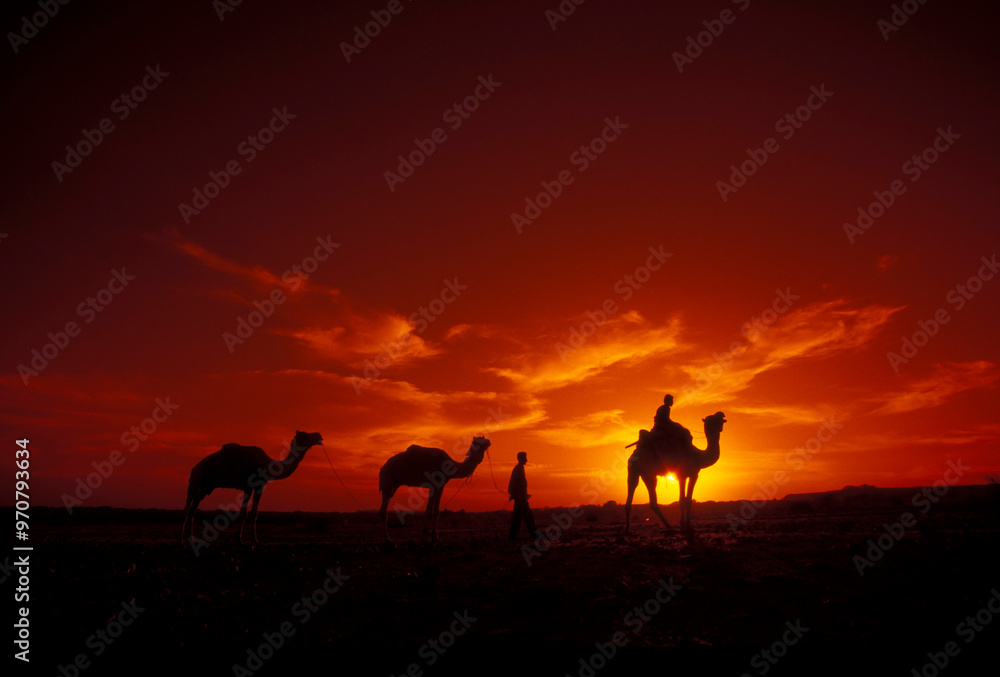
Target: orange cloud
(560,361)
(597,429)
(948,379)
(256,274)
(813,332)
(322,319)
(361,342)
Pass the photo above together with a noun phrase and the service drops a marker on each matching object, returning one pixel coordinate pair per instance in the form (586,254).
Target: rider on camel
(664,429)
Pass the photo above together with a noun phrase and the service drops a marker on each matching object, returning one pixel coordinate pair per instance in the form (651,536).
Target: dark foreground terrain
(780,594)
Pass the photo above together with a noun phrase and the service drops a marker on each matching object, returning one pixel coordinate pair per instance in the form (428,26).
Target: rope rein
(340,480)
(490,459)
(469,481)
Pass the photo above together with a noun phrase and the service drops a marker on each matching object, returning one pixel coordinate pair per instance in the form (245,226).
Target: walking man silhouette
(517,488)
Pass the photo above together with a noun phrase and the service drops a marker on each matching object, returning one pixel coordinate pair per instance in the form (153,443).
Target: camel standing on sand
(235,466)
(426,467)
(648,461)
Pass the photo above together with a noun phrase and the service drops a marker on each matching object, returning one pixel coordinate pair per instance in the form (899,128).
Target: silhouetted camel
(426,467)
(235,466)
(684,461)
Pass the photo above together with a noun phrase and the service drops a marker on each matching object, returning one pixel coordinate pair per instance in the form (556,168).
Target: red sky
(830,304)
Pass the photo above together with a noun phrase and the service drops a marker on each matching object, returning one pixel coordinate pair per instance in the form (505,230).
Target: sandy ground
(786,584)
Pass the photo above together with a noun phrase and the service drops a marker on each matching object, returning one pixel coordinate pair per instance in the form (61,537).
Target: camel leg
(187,514)
(437,512)
(682,503)
(688,500)
(651,487)
(242,517)
(429,514)
(383,512)
(633,482)
(190,509)
(253,514)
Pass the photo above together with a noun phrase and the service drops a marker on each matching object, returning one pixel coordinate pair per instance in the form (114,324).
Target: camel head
(713,423)
(478,448)
(304,441)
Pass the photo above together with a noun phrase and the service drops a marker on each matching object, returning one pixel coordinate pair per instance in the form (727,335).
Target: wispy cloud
(947,380)
(813,332)
(952,437)
(777,414)
(361,342)
(259,276)
(597,429)
(320,318)
(392,414)
(559,361)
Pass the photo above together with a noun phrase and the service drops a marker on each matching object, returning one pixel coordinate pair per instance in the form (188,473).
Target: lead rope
(469,480)
(338,478)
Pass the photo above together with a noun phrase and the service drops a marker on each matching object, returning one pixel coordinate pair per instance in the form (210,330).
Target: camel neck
(292,460)
(467,467)
(712,452)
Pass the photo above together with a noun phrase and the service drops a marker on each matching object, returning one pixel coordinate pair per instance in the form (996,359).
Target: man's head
(522,457)
(668,400)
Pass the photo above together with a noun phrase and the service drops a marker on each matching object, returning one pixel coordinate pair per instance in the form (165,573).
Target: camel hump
(416,448)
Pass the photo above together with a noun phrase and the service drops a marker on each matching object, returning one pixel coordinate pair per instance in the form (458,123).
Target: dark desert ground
(377,224)
(731,594)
